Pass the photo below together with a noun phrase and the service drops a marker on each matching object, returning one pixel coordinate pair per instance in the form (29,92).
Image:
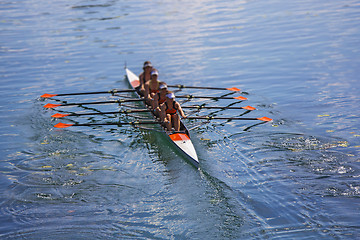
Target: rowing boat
(181,140)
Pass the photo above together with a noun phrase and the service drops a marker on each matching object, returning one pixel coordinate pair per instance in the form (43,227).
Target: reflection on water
(294,178)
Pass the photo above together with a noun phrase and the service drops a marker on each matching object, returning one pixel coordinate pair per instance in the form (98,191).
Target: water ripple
(298,62)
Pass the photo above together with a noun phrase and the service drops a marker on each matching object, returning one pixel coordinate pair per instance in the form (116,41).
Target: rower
(145,76)
(159,98)
(152,86)
(171,108)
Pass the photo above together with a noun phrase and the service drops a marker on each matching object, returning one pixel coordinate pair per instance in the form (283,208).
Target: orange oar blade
(49,105)
(63,125)
(233,89)
(265,119)
(59,115)
(250,108)
(46,95)
(240,98)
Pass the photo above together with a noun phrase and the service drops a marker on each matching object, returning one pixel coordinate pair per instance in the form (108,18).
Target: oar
(65,125)
(250,108)
(50,105)
(59,115)
(215,98)
(234,89)
(47,95)
(265,119)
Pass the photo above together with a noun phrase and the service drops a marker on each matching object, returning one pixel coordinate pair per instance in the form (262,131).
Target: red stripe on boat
(179,137)
(135,83)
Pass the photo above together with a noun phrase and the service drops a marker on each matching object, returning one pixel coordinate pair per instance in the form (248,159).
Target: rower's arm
(180,110)
(162,111)
(147,92)
(155,101)
(142,83)
(141,79)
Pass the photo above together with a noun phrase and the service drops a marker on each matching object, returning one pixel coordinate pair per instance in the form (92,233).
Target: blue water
(298,62)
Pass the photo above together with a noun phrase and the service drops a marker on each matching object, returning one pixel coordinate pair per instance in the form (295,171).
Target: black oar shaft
(210,107)
(116,123)
(100,92)
(211,88)
(88,93)
(104,102)
(66,125)
(183,86)
(208,97)
(222,118)
(114,112)
(49,105)
(265,119)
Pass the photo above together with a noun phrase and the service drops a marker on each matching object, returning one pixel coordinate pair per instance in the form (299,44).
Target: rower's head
(154,74)
(170,96)
(163,87)
(147,66)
